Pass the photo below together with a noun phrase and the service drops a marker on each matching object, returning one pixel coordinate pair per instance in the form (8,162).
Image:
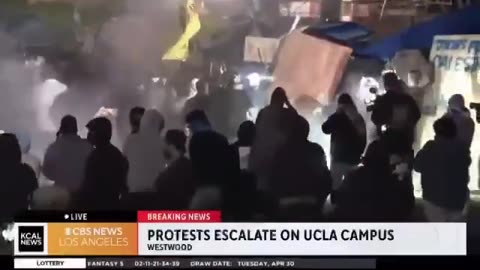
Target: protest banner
(407,61)
(456,62)
(310,66)
(260,50)
(304,9)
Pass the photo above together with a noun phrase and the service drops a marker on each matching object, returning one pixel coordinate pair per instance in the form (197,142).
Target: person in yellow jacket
(180,50)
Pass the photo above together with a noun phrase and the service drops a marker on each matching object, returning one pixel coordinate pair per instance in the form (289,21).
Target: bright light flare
(193,88)
(9,233)
(252,114)
(363,93)
(107,112)
(254,79)
(33,63)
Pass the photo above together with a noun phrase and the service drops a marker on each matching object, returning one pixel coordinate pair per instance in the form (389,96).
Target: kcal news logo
(31,239)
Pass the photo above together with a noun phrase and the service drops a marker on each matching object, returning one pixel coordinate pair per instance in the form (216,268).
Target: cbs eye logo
(31,239)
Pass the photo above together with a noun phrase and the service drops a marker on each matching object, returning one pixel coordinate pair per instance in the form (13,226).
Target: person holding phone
(273,128)
(348,133)
(444,166)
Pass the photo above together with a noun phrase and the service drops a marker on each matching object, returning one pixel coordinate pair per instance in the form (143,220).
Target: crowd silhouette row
(271,173)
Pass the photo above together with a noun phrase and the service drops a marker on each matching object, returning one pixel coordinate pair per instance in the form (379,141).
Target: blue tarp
(420,36)
(348,33)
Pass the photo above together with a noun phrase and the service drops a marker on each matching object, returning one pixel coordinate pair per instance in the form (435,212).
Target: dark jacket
(398,111)
(301,170)
(212,158)
(372,192)
(18,182)
(18,179)
(444,167)
(175,186)
(465,125)
(346,142)
(398,144)
(300,182)
(215,169)
(366,196)
(105,177)
(273,128)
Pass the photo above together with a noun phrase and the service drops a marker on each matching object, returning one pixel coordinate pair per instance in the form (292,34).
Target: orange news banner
(92,239)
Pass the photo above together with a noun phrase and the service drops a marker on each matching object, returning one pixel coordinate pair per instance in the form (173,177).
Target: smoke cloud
(25,97)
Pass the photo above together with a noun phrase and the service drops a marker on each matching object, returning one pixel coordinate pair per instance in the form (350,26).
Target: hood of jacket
(456,102)
(144,152)
(464,123)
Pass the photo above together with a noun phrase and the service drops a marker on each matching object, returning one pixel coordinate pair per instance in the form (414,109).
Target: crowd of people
(272,172)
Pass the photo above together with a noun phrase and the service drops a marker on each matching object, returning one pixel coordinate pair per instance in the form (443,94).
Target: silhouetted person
(65,159)
(300,179)
(196,121)
(348,138)
(398,113)
(460,115)
(175,185)
(213,166)
(199,101)
(135,117)
(243,145)
(367,192)
(443,164)
(18,179)
(144,152)
(27,157)
(219,181)
(245,134)
(397,110)
(122,97)
(273,128)
(106,171)
(401,156)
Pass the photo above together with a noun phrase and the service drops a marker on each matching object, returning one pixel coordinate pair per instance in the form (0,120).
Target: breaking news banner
(186,239)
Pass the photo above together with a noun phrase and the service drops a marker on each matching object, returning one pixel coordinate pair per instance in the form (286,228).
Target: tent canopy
(420,37)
